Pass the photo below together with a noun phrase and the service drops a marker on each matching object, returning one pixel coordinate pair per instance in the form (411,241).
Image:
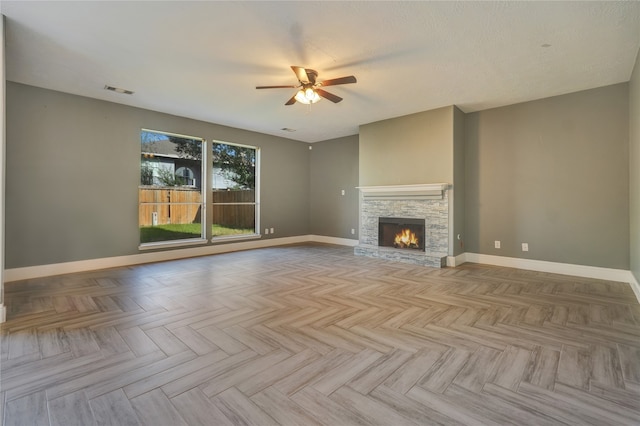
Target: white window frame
(256,234)
(204,189)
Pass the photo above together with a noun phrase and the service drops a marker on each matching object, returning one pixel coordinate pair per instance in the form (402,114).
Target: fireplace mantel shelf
(421,190)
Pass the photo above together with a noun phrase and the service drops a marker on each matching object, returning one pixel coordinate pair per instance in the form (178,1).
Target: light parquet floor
(313,335)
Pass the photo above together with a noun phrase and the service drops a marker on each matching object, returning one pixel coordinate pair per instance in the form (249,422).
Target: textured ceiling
(203,59)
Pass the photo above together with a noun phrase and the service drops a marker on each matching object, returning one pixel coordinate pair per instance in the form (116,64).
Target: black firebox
(401,233)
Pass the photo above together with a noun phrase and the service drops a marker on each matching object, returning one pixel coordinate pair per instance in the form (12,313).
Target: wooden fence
(149,199)
(153,203)
(238,216)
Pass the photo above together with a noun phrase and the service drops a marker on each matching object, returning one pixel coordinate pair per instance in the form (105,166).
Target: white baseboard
(453,261)
(609,274)
(30,272)
(635,286)
(333,240)
(552,267)
(18,274)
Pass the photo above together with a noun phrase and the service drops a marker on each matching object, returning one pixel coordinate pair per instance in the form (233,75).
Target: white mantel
(405,192)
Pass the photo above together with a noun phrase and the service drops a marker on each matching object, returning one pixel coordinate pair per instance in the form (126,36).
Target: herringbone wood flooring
(311,334)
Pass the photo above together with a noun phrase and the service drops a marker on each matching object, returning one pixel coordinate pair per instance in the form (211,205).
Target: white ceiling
(203,59)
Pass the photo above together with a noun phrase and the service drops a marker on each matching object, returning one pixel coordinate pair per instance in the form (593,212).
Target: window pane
(168,222)
(234,167)
(233,219)
(234,189)
(170,191)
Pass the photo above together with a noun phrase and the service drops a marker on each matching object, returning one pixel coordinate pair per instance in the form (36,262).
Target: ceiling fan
(310,90)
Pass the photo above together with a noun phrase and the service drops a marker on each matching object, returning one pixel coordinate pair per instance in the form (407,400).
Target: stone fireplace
(405,223)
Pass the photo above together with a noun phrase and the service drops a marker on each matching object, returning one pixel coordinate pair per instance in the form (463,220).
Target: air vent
(118,90)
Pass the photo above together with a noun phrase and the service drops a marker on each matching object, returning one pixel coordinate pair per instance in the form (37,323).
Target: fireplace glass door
(401,233)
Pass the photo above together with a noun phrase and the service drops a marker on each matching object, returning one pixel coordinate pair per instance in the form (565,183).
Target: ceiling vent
(119,90)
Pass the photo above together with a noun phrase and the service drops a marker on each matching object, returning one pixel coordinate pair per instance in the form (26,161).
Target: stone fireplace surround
(423,201)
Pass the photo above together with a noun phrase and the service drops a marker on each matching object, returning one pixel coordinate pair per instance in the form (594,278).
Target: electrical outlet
(496,244)
(266,231)
(272,231)
(353,231)
(525,246)
(342,192)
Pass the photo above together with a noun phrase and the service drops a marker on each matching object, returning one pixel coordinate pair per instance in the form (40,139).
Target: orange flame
(406,238)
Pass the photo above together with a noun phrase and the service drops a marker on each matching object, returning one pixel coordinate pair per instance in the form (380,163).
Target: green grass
(179,231)
(182,231)
(219,231)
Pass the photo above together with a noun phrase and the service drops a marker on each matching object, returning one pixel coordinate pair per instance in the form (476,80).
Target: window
(171,205)
(235,199)
(175,188)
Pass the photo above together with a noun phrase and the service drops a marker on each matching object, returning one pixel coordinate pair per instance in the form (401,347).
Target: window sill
(241,237)
(170,244)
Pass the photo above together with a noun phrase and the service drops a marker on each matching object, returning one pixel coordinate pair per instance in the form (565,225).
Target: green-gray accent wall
(334,168)
(634,169)
(553,173)
(73,170)
(426,147)
(412,149)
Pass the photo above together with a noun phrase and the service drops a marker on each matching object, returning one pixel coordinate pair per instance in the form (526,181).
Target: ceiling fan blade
(341,80)
(301,73)
(312,75)
(291,101)
(276,87)
(333,98)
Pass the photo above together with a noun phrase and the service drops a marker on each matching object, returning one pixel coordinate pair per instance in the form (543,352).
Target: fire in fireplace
(406,239)
(402,233)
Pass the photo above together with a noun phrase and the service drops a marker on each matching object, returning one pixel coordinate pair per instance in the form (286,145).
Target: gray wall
(459,173)
(553,173)
(334,167)
(2,165)
(73,172)
(416,148)
(634,168)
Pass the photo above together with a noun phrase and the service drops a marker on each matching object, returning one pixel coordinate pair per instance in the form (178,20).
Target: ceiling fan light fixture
(307,96)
